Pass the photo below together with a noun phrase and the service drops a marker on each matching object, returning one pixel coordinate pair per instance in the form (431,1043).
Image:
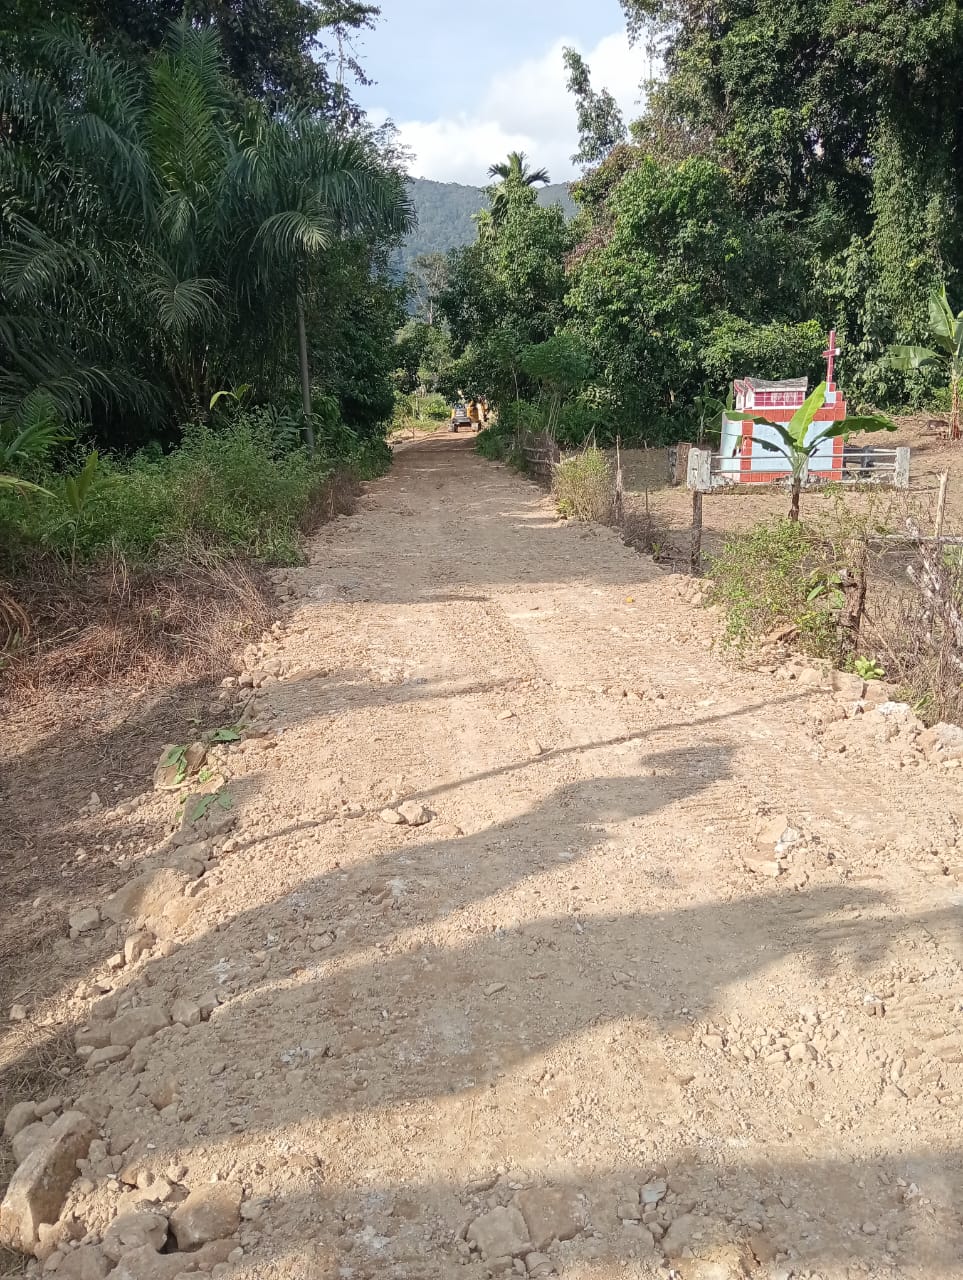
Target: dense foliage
(162,233)
(278,52)
(238,486)
(847,120)
(796,169)
(196,224)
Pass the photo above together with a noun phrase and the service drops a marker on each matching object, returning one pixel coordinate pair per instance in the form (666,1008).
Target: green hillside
(445,211)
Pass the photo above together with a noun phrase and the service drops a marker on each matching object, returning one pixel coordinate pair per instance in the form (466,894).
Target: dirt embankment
(527,935)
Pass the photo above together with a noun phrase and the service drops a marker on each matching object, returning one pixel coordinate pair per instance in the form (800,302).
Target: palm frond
(296,231)
(181,304)
(34,264)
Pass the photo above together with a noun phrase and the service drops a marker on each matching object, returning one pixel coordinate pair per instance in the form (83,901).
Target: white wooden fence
(889,467)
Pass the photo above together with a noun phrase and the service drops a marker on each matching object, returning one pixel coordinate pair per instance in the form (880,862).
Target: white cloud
(524,108)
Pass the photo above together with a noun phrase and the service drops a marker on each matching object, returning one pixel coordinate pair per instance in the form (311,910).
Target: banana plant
(946,331)
(709,411)
(794,443)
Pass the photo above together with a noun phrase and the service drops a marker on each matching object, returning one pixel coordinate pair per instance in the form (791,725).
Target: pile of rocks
(775,841)
(808,1040)
(514,1236)
(195,1229)
(526,1231)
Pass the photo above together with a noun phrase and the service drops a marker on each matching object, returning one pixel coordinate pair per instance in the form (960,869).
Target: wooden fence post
(699,480)
(941,505)
(619,501)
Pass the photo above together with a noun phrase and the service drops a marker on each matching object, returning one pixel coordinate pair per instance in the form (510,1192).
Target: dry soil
(590,971)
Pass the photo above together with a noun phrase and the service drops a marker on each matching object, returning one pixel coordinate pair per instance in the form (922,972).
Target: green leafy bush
(736,347)
(503,440)
(495,444)
(239,487)
(778,574)
(584,487)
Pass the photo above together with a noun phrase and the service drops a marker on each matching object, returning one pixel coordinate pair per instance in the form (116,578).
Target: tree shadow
(454,970)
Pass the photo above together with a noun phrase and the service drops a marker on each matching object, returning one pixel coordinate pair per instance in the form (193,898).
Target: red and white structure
(744,460)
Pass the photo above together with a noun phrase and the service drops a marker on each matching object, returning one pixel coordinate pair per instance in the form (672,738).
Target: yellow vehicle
(459,417)
(470,413)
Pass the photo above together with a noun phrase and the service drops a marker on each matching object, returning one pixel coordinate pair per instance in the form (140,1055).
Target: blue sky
(468,82)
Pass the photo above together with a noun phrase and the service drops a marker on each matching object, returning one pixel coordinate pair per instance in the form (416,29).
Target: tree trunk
(955,410)
(794,505)
(305,377)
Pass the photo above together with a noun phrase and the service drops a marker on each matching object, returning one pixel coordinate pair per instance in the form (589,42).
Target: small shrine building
(745,461)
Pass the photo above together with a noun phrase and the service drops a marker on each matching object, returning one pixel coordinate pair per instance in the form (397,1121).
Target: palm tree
(72,167)
(514,172)
(517,180)
(158,234)
(303,189)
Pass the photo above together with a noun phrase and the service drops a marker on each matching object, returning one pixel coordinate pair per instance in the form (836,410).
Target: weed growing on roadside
(584,487)
(869,669)
(778,574)
(232,489)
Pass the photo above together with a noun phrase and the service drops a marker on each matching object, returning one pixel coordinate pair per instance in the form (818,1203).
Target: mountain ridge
(445,215)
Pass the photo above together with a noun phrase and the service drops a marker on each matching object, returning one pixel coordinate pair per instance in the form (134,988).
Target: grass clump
(584,487)
(779,575)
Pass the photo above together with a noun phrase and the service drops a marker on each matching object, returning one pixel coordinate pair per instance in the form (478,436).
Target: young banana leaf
(909,359)
(945,327)
(23,486)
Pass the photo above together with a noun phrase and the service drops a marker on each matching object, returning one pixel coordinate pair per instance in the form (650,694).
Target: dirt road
(581,1020)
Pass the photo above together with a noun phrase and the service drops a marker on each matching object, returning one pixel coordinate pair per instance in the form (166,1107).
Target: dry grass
(12,1264)
(338,496)
(584,487)
(34,1063)
(14,623)
(645,528)
(113,624)
(914,624)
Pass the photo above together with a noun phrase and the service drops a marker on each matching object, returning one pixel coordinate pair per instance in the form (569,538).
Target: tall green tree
(846,121)
(507,291)
(286,51)
(302,189)
(162,231)
(670,264)
(601,125)
(516,180)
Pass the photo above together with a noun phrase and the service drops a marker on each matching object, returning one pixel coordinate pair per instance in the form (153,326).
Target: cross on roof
(830,357)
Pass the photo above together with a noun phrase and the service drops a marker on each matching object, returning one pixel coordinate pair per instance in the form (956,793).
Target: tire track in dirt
(568,977)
